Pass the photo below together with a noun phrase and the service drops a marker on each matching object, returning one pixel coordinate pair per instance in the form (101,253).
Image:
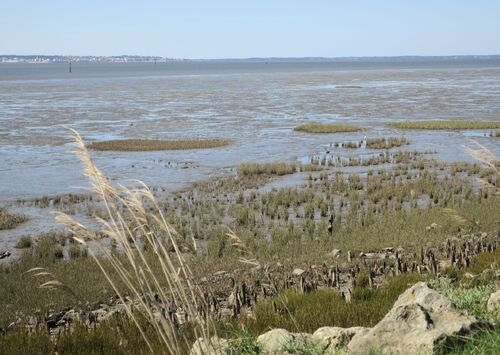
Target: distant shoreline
(38,59)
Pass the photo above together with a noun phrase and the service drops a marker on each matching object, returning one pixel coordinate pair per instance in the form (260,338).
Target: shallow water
(254,104)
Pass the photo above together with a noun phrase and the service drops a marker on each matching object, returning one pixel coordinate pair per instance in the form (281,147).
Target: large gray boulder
(420,320)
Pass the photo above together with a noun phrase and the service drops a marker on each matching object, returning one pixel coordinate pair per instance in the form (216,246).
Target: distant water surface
(256,104)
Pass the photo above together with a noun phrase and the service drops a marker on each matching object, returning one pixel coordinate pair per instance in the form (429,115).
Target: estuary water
(254,103)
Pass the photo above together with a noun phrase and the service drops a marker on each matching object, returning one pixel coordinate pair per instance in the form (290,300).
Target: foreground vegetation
(326,128)
(445,124)
(10,220)
(159,254)
(141,145)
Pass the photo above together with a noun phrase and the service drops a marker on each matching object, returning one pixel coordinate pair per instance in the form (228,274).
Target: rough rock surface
(216,346)
(494,301)
(335,338)
(274,340)
(420,320)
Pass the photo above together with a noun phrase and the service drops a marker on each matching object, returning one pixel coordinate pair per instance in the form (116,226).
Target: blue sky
(258,28)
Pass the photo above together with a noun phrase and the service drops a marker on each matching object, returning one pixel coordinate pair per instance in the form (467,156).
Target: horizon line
(257,58)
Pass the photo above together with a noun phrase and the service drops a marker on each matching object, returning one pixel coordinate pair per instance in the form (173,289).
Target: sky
(251,28)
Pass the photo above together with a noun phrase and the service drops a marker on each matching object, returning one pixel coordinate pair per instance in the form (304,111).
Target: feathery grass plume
(149,266)
(489,159)
(52,284)
(241,247)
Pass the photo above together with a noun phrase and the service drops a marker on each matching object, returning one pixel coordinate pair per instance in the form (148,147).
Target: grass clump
(279,169)
(445,124)
(386,143)
(484,342)
(326,128)
(473,300)
(24,242)
(143,145)
(306,312)
(10,220)
(299,348)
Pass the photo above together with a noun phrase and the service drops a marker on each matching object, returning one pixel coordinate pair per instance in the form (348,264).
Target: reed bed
(446,124)
(279,169)
(142,145)
(326,128)
(137,225)
(10,220)
(386,143)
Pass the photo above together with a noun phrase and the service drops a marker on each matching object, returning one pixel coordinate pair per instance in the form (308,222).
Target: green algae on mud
(326,128)
(143,145)
(445,124)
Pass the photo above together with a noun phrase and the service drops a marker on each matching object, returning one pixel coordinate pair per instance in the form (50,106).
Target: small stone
(335,253)
(494,301)
(297,272)
(4,254)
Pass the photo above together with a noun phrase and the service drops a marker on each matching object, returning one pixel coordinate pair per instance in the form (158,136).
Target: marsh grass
(446,124)
(483,342)
(10,220)
(136,223)
(386,143)
(326,128)
(24,242)
(279,169)
(141,145)
(306,312)
(117,335)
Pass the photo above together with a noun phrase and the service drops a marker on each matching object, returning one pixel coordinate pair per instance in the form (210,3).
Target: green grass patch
(484,342)
(326,128)
(299,312)
(472,300)
(445,124)
(24,242)
(142,145)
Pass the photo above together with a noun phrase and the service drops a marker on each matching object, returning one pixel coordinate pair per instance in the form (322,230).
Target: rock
(420,320)
(274,340)
(4,254)
(297,272)
(215,346)
(335,338)
(494,301)
(335,253)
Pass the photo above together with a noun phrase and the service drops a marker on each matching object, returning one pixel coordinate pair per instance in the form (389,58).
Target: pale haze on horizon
(230,29)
